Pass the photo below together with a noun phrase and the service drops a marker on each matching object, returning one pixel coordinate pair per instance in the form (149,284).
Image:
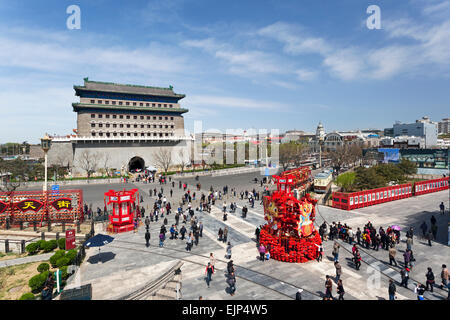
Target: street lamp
(45,145)
(321,143)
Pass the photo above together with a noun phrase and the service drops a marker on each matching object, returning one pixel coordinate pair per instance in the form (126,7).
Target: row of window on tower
(121,116)
(121,125)
(127,103)
(129,134)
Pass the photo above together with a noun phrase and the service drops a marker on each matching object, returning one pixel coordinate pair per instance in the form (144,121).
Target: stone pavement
(28,259)
(126,264)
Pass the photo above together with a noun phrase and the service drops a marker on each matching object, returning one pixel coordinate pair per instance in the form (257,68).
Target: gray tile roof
(128,88)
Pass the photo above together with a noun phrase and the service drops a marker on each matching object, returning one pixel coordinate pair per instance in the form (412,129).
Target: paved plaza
(126,264)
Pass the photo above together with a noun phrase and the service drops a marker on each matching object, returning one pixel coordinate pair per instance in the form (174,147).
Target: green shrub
(41,244)
(37,282)
(32,248)
(54,258)
(71,255)
(49,246)
(61,262)
(62,243)
(27,296)
(43,267)
(64,274)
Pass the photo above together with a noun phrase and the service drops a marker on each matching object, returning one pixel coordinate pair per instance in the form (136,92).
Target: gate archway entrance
(136,163)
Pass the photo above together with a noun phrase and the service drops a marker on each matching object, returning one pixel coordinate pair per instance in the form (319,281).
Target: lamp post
(45,145)
(321,143)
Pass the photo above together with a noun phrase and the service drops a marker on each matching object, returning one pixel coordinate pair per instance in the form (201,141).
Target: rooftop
(128,88)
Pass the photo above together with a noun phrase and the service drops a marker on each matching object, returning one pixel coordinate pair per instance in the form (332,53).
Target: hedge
(43,267)
(37,282)
(64,274)
(62,243)
(32,248)
(50,245)
(71,255)
(54,258)
(61,262)
(41,244)
(27,296)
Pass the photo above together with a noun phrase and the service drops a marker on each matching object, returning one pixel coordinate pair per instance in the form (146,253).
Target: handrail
(151,287)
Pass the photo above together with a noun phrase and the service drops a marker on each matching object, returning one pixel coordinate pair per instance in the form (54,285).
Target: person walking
(404,273)
(183,232)
(262,252)
(407,258)
(442,208)
(392,253)
(392,290)
(200,229)
(257,232)
(429,237)
(220,233)
(225,234)
(228,251)
(232,283)
(319,252)
(357,258)
(419,290)
(189,242)
(209,272)
(358,236)
(162,236)
(424,229)
(328,288)
(212,260)
(336,251)
(147,238)
(298,295)
(444,276)
(338,268)
(434,229)
(340,290)
(430,279)
(409,243)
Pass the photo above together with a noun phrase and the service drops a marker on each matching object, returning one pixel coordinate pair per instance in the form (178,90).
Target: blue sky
(242,64)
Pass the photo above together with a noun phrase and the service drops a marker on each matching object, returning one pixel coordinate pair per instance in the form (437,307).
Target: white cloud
(294,39)
(346,64)
(306,75)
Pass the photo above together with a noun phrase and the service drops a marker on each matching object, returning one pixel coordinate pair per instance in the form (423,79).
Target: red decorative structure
(38,206)
(124,209)
(289,233)
(300,178)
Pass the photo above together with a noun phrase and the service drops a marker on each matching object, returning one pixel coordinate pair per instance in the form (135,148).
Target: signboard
(70,239)
(55,188)
(62,203)
(29,204)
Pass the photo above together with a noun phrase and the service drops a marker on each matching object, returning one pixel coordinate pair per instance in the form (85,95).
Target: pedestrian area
(126,264)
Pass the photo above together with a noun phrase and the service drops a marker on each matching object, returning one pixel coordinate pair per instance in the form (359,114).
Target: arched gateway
(136,163)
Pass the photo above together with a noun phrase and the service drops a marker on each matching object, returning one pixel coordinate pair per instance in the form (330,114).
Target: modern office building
(424,128)
(444,126)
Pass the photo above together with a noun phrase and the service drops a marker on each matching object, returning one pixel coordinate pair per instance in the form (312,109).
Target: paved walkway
(35,258)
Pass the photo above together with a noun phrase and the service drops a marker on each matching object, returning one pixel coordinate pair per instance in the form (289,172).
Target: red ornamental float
(289,233)
(124,209)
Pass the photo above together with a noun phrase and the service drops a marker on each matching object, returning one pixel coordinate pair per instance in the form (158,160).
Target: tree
(407,167)
(163,158)
(340,157)
(286,154)
(105,163)
(354,154)
(88,162)
(346,181)
(183,162)
(300,152)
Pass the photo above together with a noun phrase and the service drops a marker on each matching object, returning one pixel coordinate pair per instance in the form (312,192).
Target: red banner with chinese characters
(62,203)
(29,204)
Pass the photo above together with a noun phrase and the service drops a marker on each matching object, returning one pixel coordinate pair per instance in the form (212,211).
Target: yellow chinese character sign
(62,203)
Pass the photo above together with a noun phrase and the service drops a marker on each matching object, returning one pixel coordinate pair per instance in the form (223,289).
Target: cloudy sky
(273,64)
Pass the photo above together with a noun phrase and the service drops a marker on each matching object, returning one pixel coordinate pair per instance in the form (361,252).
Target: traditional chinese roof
(78,106)
(127,89)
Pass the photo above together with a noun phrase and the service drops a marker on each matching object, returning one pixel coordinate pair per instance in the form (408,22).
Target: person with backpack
(262,252)
(392,290)
(430,279)
(162,237)
(404,273)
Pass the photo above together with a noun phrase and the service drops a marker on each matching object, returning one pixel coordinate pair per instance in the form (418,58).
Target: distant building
(297,135)
(444,126)
(403,142)
(421,128)
(314,141)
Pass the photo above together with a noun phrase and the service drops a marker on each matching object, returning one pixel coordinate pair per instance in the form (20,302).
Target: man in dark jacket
(392,290)
(147,238)
(298,295)
(430,279)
